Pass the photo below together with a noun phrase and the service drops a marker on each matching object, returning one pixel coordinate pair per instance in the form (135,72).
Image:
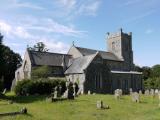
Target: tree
(40,46)
(152,77)
(156,71)
(146,72)
(8,64)
(41,72)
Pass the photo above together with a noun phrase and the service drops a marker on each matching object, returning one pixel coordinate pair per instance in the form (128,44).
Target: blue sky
(59,22)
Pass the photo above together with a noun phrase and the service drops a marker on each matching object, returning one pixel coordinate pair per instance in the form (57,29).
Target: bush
(1,84)
(41,72)
(41,86)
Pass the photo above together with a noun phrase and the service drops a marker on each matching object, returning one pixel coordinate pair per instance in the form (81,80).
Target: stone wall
(97,78)
(126,81)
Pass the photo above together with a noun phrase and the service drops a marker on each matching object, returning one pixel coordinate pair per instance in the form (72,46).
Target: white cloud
(67,3)
(149,31)
(22,33)
(73,8)
(4,27)
(89,8)
(131,2)
(51,26)
(54,45)
(20,4)
(15,31)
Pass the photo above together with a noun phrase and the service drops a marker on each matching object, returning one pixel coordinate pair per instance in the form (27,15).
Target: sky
(58,23)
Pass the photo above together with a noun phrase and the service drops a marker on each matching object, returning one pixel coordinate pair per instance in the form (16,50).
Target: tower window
(113,46)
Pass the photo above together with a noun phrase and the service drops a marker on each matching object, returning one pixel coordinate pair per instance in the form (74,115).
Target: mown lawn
(82,108)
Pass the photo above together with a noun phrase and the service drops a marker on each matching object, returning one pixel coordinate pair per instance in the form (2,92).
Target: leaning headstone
(146,92)
(4,91)
(140,92)
(10,102)
(89,92)
(65,94)
(120,92)
(74,89)
(117,93)
(135,97)
(100,104)
(49,99)
(23,111)
(130,91)
(156,92)
(152,93)
(55,93)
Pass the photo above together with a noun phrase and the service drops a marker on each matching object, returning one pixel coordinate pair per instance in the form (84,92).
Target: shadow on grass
(24,99)
(5,115)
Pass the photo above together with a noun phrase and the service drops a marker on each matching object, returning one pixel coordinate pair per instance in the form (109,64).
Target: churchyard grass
(82,108)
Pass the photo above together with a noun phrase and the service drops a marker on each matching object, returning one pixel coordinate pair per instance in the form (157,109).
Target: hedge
(42,86)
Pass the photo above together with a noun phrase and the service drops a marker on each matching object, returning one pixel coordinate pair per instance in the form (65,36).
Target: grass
(82,108)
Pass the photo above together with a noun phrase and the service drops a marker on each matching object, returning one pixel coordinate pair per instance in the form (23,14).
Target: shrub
(41,86)
(41,72)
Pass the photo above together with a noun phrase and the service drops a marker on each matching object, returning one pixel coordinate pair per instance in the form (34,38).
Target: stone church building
(94,70)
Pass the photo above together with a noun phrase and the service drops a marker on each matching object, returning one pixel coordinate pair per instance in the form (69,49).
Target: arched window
(113,46)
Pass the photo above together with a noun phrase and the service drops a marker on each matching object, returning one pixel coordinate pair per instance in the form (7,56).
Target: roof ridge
(93,49)
(49,53)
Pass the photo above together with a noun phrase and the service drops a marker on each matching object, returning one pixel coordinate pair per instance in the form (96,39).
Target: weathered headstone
(89,92)
(4,91)
(140,92)
(24,110)
(156,92)
(118,94)
(65,94)
(146,92)
(74,89)
(130,91)
(55,93)
(152,93)
(100,104)
(135,97)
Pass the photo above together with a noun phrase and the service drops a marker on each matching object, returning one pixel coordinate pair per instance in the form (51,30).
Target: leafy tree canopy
(8,63)
(40,46)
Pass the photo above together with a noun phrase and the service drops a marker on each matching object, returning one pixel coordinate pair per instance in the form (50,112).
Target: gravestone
(135,97)
(156,92)
(130,91)
(24,110)
(140,92)
(74,89)
(100,104)
(65,94)
(4,91)
(89,92)
(152,93)
(55,93)
(118,94)
(146,92)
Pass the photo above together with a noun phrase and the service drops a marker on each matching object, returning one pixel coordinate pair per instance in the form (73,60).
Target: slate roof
(80,64)
(104,54)
(47,58)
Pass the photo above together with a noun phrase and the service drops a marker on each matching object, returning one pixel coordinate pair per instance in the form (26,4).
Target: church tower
(121,45)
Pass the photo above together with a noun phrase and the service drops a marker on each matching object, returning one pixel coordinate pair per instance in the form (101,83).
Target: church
(93,70)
